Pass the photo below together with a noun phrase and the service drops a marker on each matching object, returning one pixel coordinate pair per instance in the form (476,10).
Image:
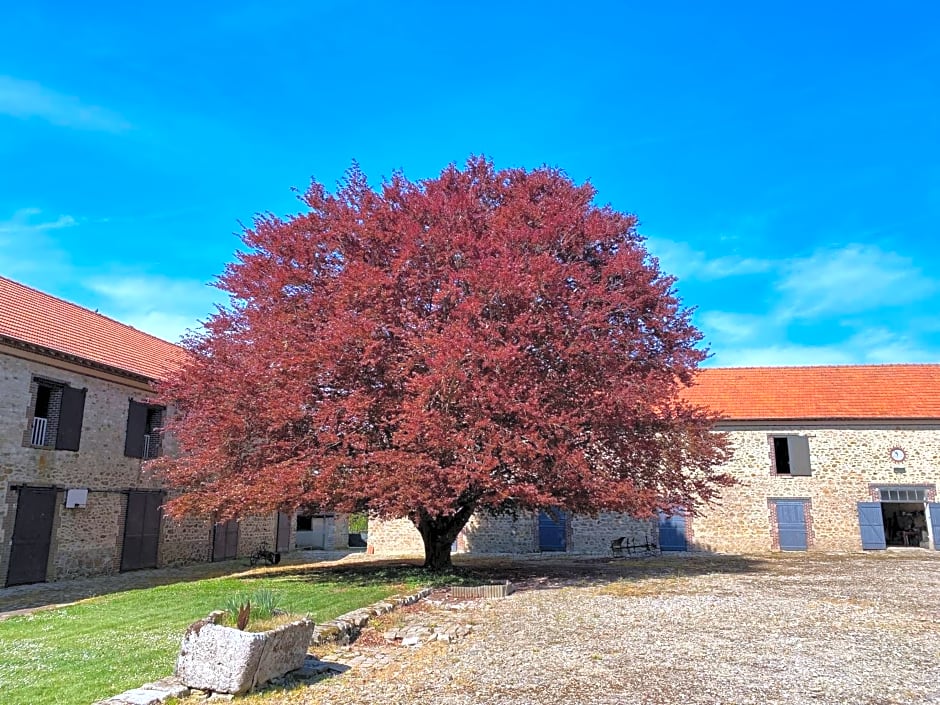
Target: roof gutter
(32,350)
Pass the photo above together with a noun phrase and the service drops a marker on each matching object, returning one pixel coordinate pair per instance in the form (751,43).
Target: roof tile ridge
(94,313)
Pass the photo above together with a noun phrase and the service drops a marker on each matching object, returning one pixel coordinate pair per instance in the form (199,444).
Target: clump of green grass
(264,610)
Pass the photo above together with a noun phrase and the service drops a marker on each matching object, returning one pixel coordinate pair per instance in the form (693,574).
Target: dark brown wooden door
(32,535)
(141,530)
(283,532)
(225,540)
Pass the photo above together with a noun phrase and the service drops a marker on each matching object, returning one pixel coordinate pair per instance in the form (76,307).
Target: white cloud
(29,99)
(733,327)
(167,326)
(680,260)
(25,246)
(782,354)
(881,345)
(20,222)
(158,305)
(849,280)
(872,345)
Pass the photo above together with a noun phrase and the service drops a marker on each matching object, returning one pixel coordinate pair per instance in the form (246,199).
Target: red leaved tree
(485,340)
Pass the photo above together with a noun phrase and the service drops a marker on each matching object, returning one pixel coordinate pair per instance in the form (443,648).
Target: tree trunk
(438,534)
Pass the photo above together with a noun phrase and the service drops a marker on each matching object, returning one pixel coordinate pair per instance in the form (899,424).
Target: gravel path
(807,629)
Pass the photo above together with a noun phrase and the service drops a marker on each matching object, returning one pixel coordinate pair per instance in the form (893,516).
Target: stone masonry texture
(849,462)
(505,534)
(89,540)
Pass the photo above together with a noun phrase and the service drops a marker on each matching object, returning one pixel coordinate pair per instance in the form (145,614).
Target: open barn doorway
(904,517)
(905,524)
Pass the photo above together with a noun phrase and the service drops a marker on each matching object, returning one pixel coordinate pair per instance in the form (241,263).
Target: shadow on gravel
(529,573)
(535,571)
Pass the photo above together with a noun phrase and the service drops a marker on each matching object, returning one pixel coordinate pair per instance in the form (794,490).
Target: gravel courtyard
(791,628)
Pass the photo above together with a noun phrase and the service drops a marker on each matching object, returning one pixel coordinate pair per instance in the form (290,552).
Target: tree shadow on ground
(24,598)
(526,572)
(536,571)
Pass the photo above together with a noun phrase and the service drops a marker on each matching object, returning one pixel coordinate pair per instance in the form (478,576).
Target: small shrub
(240,608)
(233,604)
(265,604)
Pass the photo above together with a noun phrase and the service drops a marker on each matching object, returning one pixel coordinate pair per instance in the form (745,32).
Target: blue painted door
(552,533)
(672,536)
(872,525)
(934,509)
(791,525)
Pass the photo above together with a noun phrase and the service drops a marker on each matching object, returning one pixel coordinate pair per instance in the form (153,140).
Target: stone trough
(228,660)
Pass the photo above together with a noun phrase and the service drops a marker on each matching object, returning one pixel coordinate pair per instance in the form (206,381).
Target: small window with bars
(144,429)
(903,494)
(56,415)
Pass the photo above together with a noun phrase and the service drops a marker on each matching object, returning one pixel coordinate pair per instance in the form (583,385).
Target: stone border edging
(344,627)
(340,629)
(466,593)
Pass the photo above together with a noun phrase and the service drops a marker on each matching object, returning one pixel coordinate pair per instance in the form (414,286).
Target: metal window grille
(38,437)
(151,445)
(904,494)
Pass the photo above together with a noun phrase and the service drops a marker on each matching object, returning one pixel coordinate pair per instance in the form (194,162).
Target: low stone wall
(346,626)
(462,592)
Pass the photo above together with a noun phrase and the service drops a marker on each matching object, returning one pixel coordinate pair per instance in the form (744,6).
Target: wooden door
(32,535)
(141,530)
(225,540)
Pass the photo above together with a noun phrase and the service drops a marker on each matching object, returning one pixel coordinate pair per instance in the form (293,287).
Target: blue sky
(783,159)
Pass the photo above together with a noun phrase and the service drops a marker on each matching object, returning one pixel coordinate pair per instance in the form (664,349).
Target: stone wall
(394,536)
(592,535)
(88,540)
(255,532)
(186,540)
(505,534)
(499,534)
(339,538)
(847,461)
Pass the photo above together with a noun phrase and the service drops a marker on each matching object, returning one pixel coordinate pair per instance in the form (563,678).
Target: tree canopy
(484,340)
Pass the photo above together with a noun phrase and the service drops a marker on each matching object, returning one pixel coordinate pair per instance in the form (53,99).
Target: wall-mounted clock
(898,455)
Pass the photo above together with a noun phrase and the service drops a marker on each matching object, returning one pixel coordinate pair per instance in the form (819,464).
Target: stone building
(76,426)
(826,458)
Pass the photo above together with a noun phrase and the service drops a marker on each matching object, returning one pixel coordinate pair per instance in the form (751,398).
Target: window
(791,455)
(144,426)
(57,414)
(304,523)
(903,494)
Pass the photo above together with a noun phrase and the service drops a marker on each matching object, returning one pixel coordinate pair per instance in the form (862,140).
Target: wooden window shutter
(798,447)
(136,427)
(71,415)
(871,523)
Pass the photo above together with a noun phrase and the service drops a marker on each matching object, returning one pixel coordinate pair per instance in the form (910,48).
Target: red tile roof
(836,392)
(32,317)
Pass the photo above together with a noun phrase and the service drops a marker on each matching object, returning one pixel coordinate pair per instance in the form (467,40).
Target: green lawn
(105,645)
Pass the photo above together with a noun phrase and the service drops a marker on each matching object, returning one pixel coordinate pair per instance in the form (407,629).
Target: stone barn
(826,458)
(76,426)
